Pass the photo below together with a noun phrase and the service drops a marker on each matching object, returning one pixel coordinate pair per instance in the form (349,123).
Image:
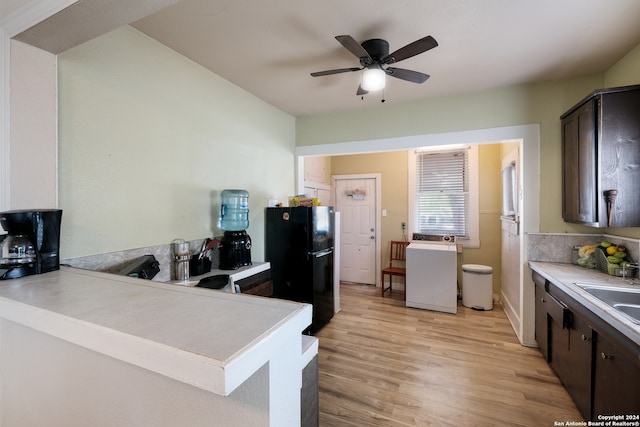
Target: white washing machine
(432,273)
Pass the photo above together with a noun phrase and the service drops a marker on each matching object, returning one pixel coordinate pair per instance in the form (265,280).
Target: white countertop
(212,340)
(566,277)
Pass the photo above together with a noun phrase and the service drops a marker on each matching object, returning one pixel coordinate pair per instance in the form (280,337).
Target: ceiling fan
(374,54)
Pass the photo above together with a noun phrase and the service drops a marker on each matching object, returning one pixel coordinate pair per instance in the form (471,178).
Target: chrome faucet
(629,271)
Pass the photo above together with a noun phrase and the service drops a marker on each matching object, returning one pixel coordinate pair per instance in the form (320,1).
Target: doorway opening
(522,318)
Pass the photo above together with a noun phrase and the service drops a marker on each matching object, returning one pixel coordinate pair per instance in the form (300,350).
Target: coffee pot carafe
(32,244)
(17,249)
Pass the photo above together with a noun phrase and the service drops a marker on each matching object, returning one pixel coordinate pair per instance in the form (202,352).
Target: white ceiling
(269,47)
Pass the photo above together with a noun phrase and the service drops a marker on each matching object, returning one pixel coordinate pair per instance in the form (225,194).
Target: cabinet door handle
(610,200)
(606,356)
(586,338)
(542,300)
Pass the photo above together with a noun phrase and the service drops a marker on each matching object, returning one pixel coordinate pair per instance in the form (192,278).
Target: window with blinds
(442,192)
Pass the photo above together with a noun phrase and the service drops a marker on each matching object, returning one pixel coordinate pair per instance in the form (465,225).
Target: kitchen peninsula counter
(213,341)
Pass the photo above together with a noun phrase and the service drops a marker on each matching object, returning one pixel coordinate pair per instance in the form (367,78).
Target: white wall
(15,18)
(49,382)
(149,139)
(34,117)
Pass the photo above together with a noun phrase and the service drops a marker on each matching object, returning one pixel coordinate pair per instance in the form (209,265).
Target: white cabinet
(317,177)
(321,191)
(317,169)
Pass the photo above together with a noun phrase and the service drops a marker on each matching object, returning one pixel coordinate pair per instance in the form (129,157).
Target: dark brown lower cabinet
(569,351)
(542,322)
(258,284)
(599,366)
(578,376)
(616,380)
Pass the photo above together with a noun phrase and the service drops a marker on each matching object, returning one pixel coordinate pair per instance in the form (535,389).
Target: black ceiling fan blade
(361,91)
(408,75)
(412,49)
(336,71)
(353,46)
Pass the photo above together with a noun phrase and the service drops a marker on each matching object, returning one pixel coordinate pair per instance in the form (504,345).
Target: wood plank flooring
(383,364)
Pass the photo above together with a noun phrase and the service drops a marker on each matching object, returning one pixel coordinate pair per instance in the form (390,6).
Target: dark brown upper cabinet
(601,159)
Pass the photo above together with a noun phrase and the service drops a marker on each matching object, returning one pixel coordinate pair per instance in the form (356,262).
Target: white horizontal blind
(442,192)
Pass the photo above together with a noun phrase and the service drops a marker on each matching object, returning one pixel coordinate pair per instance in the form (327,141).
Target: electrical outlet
(404,226)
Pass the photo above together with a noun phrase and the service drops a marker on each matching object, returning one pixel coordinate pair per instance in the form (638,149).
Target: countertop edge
(565,276)
(213,375)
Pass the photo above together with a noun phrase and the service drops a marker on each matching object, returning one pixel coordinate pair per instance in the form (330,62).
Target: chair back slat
(397,252)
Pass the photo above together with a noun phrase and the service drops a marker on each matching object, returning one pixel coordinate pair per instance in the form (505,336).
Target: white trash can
(477,286)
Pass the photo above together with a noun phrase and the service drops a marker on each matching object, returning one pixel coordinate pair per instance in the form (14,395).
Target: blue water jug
(234,211)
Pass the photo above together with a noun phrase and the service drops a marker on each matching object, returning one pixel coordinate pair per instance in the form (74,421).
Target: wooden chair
(397,259)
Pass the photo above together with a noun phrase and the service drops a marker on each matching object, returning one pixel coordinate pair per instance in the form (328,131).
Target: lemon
(612,250)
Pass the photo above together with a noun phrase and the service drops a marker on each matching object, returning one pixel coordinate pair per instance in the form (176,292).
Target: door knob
(372,237)
(372,230)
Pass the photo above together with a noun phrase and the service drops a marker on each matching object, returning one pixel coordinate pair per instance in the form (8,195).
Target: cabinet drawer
(263,289)
(557,310)
(258,284)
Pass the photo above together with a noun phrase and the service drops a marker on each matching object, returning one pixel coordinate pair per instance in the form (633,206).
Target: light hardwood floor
(383,364)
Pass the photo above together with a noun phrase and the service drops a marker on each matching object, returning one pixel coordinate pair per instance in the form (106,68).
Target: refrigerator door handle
(322,253)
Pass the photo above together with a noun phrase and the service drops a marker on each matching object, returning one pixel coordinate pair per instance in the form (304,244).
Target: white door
(356,202)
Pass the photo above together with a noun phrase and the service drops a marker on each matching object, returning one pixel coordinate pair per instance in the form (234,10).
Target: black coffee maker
(235,250)
(32,244)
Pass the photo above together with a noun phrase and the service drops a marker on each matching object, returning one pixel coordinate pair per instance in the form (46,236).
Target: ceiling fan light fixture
(373,79)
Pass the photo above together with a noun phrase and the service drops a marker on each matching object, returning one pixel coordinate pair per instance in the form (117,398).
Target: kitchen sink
(614,295)
(631,310)
(624,300)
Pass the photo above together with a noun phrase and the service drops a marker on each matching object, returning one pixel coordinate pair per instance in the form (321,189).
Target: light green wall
(541,103)
(626,71)
(149,139)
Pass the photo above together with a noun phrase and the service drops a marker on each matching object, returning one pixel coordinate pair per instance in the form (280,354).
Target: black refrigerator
(299,246)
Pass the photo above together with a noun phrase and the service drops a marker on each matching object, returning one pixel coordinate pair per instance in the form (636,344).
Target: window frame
(473,240)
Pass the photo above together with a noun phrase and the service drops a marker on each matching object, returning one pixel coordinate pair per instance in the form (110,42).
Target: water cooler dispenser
(235,245)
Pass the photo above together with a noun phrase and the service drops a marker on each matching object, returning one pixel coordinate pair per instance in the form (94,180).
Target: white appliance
(432,273)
